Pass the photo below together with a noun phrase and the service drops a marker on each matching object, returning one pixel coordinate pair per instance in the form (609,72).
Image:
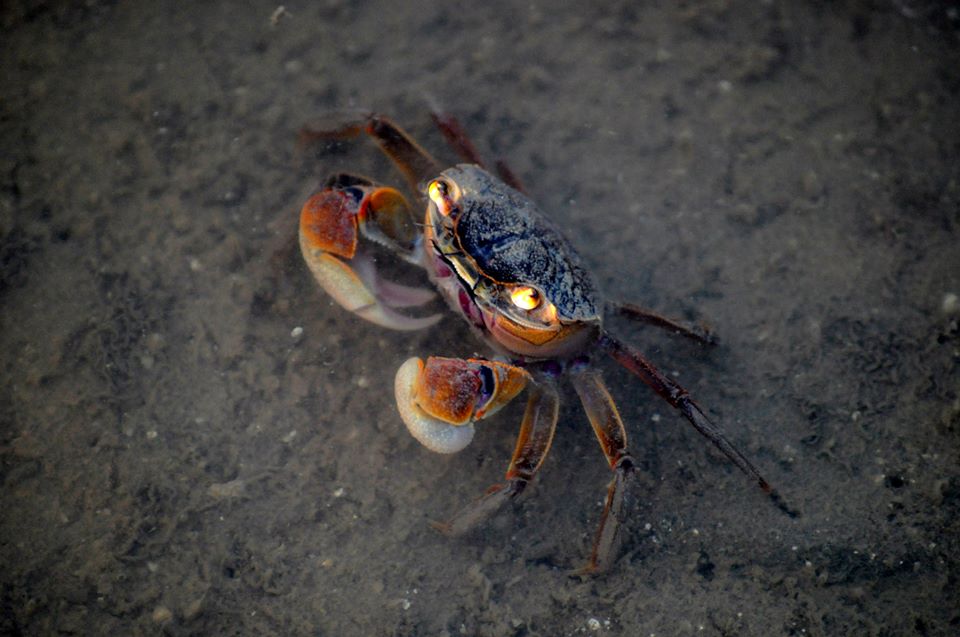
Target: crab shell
(486,242)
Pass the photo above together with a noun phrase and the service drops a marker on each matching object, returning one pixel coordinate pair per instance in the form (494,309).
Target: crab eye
(439,193)
(525,297)
(437,189)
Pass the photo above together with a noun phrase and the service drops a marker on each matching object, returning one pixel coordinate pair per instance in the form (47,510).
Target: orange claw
(439,401)
(328,223)
(331,222)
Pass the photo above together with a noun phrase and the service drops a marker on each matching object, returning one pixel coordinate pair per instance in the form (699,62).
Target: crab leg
(533,443)
(456,136)
(678,397)
(331,224)
(698,332)
(416,164)
(608,427)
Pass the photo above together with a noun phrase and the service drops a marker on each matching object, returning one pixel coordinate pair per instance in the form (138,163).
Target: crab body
(499,262)
(494,238)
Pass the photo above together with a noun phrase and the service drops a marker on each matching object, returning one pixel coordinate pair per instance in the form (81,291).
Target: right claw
(441,399)
(330,224)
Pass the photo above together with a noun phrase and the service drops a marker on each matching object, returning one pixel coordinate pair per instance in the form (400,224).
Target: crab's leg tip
(781,504)
(585,572)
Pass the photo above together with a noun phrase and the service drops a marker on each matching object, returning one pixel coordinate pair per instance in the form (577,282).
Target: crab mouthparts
(470,309)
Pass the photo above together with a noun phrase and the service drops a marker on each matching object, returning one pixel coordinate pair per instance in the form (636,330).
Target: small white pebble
(362,382)
(195,265)
(950,304)
(151,434)
(296,332)
(593,624)
(288,438)
(655,418)
(339,492)
(279,13)
(405,604)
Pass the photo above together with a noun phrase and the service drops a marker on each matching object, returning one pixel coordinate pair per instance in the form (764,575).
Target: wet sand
(195,441)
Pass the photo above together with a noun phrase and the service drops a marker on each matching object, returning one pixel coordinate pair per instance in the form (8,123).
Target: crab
(504,267)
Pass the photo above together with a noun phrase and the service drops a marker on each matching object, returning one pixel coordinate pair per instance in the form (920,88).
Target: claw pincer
(439,401)
(332,222)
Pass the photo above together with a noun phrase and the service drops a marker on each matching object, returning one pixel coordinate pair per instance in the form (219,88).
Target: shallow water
(178,457)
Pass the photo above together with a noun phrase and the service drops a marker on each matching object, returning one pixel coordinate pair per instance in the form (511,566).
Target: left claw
(331,224)
(439,401)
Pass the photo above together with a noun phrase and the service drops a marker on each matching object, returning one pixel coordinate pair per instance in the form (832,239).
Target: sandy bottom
(195,441)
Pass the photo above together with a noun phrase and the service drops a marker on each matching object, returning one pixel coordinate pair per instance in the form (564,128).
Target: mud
(195,441)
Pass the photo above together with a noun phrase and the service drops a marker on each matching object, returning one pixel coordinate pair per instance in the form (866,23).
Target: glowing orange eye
(437,189)
(525,297)
(439,194)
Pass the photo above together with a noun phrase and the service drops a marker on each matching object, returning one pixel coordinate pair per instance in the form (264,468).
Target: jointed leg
(700,332)
(609,429)
(678,397)
(416,164)
(533,443)
(458,139)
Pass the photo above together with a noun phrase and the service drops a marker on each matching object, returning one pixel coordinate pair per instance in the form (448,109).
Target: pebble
(950,304)
(193,609)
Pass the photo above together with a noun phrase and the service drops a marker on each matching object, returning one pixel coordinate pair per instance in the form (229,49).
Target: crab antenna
(678,398)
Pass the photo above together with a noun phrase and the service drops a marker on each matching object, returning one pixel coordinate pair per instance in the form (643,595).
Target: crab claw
(439,401)
(331,223)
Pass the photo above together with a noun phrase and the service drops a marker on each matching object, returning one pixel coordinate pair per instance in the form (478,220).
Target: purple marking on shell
(469,308)
(441,269)
(487,385)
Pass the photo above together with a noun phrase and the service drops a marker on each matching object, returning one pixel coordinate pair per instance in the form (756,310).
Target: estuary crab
(503,266)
